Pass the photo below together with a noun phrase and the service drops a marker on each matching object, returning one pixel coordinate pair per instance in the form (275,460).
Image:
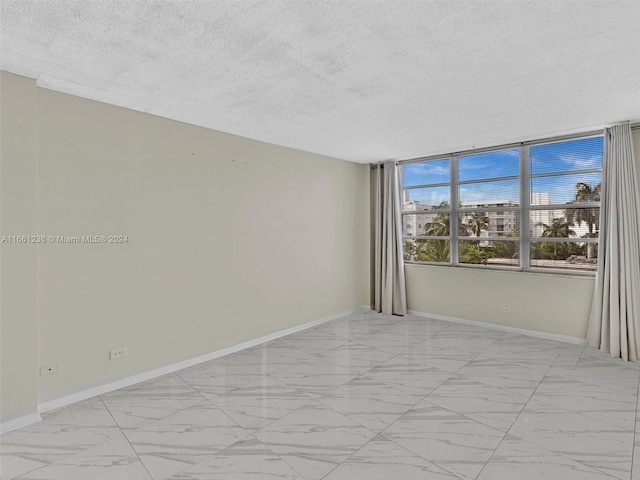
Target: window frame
(524,210)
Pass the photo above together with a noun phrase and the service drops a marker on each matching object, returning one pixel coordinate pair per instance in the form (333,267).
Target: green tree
(410,250)
(477,222)
(591,216)
(440,226)
(439,250)
(472,253)
(422,250)
(507,249)
(559,228)
(435,251)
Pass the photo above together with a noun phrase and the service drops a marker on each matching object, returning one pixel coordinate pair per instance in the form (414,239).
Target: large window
(536,206)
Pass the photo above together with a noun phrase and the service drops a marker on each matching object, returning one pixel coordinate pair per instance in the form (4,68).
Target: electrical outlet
(49,369)
(118,353)
(505,309)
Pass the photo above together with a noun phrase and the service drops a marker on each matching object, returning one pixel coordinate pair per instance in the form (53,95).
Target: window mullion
(525,216)
(453,218)
(555,226)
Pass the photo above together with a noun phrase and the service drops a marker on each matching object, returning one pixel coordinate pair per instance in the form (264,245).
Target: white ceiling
(358,80)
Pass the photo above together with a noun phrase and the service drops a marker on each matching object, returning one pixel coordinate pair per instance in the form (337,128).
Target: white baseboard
(503,328)
(151,374)
(17,423)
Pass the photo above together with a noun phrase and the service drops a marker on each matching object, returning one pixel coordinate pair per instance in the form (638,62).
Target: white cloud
(580,162)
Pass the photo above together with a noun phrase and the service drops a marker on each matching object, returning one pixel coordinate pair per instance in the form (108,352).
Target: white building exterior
(500,222)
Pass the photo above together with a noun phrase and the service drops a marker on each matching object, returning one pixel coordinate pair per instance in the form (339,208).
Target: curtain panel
(614,325)
(389,284)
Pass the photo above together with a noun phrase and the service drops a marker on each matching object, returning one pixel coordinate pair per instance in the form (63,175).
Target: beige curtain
(615,317)
(389,287)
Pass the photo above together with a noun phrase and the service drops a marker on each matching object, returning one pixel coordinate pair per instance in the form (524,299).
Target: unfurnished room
(319,239)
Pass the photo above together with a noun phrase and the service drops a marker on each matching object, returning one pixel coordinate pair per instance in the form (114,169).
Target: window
(565,203)
(426,199)
(550,191)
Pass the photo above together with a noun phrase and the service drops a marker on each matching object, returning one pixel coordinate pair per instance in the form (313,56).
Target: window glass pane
(559,189)
(488,207)
(489,252)
(502,163)
(414,225)
(489,224)
(426,225)
(426,251)
(426,173)
(431,198)
(564,255)
(565,223)
(490,194)
(581,154)
(437,225)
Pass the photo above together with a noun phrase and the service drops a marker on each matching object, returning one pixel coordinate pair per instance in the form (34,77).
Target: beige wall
(557,304)
(229,239)
(18,216)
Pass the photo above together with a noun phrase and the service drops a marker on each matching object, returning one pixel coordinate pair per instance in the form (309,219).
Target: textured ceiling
(358,80)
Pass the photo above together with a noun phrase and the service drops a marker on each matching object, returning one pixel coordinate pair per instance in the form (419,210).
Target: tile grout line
(538,445)
(518,416)
(66,457)
(304,477)
(380,433)
(426,398)
(353,420)
(205,458)
(250,433)
(311,400)
(124,435)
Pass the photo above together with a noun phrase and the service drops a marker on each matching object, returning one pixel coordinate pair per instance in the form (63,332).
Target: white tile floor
(363,397)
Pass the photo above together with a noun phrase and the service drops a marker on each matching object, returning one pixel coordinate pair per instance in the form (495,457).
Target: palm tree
(477,222)
(434,251)
(438,250)
(440,226)
(559,228)
(590,216)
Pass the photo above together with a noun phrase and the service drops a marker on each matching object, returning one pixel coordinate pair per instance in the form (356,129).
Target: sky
(568,156)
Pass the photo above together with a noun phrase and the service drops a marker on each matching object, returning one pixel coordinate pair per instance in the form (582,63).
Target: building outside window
(548,190)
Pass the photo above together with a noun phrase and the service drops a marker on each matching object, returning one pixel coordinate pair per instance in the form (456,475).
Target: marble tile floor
(365,397)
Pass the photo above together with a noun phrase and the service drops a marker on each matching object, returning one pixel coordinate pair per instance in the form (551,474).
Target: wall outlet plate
(118,353)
